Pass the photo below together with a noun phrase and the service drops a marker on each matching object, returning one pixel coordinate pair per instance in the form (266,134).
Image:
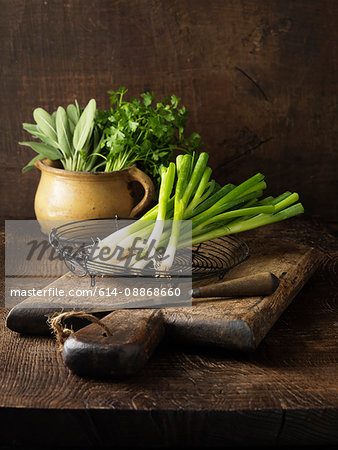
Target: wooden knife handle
(135,333)
(264,283)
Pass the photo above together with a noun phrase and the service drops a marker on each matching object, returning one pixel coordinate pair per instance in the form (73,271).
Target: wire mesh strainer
(74,241)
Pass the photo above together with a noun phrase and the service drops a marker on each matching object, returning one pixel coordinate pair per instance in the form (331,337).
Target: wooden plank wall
(259,77)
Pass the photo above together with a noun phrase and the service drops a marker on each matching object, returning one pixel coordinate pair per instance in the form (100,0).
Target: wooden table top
(284,393)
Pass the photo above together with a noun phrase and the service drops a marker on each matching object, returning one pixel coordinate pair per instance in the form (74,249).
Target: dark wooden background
(259,77)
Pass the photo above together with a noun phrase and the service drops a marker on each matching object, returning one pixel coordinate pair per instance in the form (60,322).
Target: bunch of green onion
(187,193)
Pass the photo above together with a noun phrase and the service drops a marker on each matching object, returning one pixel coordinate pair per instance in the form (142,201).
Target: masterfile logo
(90,272)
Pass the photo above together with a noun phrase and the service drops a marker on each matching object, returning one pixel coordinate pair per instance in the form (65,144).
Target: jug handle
(137,175)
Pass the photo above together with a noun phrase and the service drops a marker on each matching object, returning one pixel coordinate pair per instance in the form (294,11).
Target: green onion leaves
(212,211)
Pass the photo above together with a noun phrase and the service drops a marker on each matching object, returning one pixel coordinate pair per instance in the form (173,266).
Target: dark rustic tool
(135,334)
(264,283)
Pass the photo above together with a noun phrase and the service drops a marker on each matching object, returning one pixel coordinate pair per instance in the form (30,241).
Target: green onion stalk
(188,194)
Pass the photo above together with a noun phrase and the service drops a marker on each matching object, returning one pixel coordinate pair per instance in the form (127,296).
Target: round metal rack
(74,241)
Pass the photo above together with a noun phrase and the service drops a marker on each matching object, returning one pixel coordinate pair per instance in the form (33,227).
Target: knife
(31,318)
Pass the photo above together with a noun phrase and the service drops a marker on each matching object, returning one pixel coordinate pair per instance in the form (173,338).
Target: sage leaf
(63,132)
(31,128)
(73,117)
(71,127)
(89,142)
(36,133)
(73,114)
(84,127)
(45,122)
(77,108)
(47,140)
(44,149)
(31,163)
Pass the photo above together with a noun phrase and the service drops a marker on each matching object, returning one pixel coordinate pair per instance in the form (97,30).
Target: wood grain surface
(284,393)
(259,77)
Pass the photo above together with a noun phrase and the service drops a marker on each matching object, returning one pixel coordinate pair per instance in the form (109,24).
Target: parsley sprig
(145,131)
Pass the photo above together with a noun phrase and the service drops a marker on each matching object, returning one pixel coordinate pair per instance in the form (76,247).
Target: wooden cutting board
(239,323)
(242,323)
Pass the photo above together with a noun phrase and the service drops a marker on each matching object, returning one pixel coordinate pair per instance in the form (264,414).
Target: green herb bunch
(70,136)
(144,131)
(141,131)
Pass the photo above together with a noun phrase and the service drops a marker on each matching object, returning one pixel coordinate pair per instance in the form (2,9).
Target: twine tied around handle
(56,323)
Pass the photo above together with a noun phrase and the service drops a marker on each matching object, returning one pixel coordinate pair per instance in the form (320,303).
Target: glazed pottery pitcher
(64,195)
